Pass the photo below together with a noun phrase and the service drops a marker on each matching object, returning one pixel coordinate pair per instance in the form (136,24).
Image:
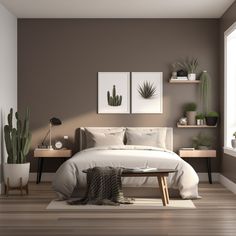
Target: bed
(126,147)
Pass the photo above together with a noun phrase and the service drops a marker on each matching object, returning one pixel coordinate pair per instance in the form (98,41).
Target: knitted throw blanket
(104,187)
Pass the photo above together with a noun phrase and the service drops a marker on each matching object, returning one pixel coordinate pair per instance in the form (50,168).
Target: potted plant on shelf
(200,119)
(191,67)
(190,110)
(17,140)
(204,91)
(233,141)
(212,118)
(202,142)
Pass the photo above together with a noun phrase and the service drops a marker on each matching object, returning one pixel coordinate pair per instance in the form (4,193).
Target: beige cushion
(104,137)
(155,137)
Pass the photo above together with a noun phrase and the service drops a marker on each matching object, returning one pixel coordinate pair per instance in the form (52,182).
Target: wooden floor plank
(215,214)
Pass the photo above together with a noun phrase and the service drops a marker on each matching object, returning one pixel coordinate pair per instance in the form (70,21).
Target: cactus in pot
(114,100)
(17,140)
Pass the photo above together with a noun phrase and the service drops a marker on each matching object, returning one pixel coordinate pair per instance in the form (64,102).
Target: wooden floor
(27,216)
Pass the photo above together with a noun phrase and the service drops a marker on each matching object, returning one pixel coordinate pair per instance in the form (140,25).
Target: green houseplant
(191,66)
(17,140)
(200,118)
(190,111)
(212,118)
(202,141)
(205,91)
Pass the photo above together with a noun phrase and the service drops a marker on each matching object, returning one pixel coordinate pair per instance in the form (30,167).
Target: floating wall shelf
(178,81)
(195,126)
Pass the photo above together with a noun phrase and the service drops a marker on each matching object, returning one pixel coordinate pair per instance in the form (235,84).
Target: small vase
(192,76)
(233,143)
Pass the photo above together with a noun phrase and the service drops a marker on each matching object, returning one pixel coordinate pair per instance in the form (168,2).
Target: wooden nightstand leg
(40,168)
(162,190)
(209,169)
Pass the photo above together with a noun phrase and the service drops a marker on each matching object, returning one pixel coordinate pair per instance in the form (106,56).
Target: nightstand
(208,154)
(41,154)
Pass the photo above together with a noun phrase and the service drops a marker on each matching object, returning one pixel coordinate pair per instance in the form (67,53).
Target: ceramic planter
(233,143)
(200,122)
(191,117)
(14,172)
(211,121)
(192,76)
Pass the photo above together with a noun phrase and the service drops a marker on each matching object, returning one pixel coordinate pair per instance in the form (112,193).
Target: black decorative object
(182,73)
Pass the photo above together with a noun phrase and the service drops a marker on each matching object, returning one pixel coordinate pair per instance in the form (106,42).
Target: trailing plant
(202,140)
(147,90)
(190,66)
(205,91)
(212,114)
(200,116)
(114,100)
(190,107)
(17,139)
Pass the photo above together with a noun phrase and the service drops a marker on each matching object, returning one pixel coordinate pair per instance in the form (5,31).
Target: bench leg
(166,190)
(161,182)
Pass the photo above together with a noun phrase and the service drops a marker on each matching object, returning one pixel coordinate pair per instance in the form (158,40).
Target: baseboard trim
(48,177)
(227,183)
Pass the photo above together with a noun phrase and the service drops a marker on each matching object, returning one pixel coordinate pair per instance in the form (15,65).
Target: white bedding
(70,174)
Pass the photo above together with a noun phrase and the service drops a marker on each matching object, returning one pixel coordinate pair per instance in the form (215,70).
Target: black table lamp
(52,122)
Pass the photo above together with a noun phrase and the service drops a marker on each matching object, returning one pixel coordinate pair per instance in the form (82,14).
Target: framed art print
(113,92)
(147,92)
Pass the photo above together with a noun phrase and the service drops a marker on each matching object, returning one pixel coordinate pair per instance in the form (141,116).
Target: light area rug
(139,204)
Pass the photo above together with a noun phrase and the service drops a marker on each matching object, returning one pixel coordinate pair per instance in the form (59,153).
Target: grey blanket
(104,187)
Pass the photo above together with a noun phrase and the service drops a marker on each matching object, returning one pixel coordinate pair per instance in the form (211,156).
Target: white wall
(8,72)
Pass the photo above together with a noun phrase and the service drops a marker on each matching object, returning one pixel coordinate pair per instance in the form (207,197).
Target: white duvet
(70,176)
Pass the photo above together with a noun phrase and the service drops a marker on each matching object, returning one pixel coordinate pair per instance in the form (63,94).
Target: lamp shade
(55,121)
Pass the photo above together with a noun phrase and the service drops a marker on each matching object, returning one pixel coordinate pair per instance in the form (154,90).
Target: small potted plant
(233,141)
(17,140)
(200,119)
(212,118)
(191,67)
(202,142)
(190,110)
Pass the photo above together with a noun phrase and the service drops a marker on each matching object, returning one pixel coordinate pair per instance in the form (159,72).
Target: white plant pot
(14,172)
(233,143)
(192,76)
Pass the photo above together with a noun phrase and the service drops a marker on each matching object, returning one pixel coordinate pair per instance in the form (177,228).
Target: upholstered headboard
(169,135)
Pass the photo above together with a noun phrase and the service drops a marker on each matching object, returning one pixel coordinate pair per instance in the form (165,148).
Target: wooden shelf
(178,81)
(195,126)
(197,153)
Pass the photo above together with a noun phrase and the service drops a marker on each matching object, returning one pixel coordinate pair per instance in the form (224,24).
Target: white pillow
(146,137)
(104,137)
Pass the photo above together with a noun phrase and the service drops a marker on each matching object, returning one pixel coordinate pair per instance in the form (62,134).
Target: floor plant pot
(233,143)
(191,117)
(192,76)
(211,121)
(16,172)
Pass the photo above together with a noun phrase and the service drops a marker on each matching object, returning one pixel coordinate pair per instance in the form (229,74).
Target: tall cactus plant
(17,139)
(114,100)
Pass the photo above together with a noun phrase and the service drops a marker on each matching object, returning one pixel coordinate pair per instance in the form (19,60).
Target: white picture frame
(153,105)
(121,81)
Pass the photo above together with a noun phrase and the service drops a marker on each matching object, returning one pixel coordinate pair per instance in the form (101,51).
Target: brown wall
(228,164)
(59,60)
